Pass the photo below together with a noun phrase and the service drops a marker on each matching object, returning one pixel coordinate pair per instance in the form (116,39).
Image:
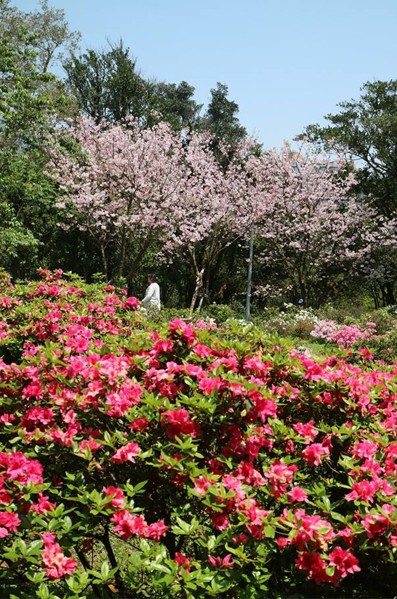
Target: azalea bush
(343,335)
(139,460)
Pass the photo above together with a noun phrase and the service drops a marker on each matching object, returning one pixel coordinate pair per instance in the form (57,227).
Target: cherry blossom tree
(123,185)
(214,215)
(149,189)
(309,225)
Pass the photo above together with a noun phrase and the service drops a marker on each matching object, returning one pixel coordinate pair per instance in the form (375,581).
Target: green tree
(222,122)
(107,85)
(53,38)
(367,129)
(18,246)
(176,104)
(31,101)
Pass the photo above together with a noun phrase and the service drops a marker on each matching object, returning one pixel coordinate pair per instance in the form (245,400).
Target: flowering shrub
(343,335)
(180,462)
(291,320)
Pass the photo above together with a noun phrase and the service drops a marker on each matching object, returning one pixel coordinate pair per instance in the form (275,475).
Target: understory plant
(143,460)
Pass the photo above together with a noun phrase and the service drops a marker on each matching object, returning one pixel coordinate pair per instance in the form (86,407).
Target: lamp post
(249,277)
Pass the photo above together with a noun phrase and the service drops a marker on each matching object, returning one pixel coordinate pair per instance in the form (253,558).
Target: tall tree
(310,229)
(108,86)
(367,130)
(222,122)
(123,186)
(54,40)
(25,101)
(176,105)
(145,190)
(31,99)
(214,213)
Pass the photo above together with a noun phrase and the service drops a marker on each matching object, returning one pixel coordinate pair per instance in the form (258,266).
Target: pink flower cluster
(224,456)
(55,561)
(128,524)
(342,335)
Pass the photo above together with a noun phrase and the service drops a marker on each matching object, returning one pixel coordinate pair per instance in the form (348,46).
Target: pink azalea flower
(221,562)
(179,423)
(16,466)
(55,561)
(131,302)
(220,521)
(156,530)
(129,524)
(43,505)
(115,495)
(203,351)
(139,424)
(363,490)
(182,560)
(163,346)
(127,453)
(201,484)
(297,494)
(280,477)
(365,449)
(207,385)
(314,565)
(315,453)
(181,329)
(93,445)
(9,523)
(306,430)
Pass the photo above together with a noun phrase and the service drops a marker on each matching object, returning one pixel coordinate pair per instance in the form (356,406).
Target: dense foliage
(315,235)
(186,460)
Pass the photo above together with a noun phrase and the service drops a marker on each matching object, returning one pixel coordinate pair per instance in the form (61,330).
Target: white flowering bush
(292,320)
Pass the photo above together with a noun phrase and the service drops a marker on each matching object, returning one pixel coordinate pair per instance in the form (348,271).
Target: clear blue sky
(286,63)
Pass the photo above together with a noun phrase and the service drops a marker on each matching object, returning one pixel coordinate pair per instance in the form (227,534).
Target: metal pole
(249,279)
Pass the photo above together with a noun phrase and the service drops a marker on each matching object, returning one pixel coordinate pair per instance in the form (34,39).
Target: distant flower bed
(343,335)
(186,461)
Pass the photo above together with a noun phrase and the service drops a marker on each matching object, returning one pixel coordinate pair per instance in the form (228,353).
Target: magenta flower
(127,453)
(345,562)
(55,561)
(315,453)
(9,523)
(221,562)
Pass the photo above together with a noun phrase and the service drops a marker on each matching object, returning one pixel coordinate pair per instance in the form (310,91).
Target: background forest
(109,175)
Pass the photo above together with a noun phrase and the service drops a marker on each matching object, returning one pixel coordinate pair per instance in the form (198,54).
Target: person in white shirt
(151,301)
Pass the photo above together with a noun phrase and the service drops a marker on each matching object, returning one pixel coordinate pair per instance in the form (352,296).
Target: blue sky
(286,63)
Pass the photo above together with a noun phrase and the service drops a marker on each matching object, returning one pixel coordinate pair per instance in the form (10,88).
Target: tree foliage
(107,84)
(222,122)
(176,105)
(311,226)
(367,129)
(190,208)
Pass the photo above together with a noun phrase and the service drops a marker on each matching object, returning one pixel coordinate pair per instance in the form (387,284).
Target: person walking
(151,301)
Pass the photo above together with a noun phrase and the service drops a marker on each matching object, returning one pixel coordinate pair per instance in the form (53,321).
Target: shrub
(175,462)
(384,347)
(343,335)
(220,313)
(292,321)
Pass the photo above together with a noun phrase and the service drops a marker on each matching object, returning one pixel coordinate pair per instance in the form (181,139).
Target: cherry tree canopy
(309,223)
(148,188)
